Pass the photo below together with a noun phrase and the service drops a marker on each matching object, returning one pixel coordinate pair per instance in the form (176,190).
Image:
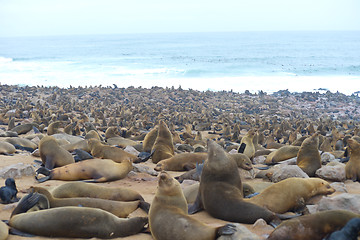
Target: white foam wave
(5,59)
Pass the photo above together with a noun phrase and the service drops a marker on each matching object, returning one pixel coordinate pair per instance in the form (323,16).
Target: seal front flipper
(196,206)
(144,206)
(242,148)
(44,171)
(228,229)
(14,231)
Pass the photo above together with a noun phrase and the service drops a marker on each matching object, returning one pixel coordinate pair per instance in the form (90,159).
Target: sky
(69,17)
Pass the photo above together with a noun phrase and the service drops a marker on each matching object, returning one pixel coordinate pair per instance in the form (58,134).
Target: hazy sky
(58,17)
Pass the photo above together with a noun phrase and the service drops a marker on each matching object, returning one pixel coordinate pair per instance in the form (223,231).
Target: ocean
(238,61)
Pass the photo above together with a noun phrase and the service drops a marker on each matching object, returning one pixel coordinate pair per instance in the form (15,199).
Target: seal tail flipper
(14,231)
(144,206)
(286,217)
(196,206)
(26,203)
(228,229)
(242,148)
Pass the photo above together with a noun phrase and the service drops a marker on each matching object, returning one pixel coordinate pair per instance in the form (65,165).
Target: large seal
(118,208)
(308,157)
(82,189)
(352,168)
(168,218)
(221,193)
(77,222)
(349,231)
(315,226)
(163,147)
(97,170)
(291,194)
(52,155)
(22,143)
(282,154)
(181,162)
(100,150)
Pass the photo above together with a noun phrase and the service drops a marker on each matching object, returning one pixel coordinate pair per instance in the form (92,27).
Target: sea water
(238,61)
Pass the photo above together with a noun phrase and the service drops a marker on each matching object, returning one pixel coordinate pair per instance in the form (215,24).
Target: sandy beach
(142,108)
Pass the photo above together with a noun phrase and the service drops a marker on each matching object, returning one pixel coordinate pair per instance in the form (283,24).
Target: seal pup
(118,208)
(163,146)
(52,154)
(315,226)
(82,189)
(82,221)
(352,167)
(7,148)
(100,150)
(8,192)
(221,191)
(291,194)
(168,218)
(97,170)
(308,157)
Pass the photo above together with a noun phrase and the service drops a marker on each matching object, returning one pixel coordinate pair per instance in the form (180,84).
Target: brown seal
(282,154)
(221,192)
(83,223)
(98,170)
(163,147)
(315,226)
(52,155)
(149,139)
(118,208)
(168,218)
(181,162)
(248,140)
(242,161)
(4,231)
(53,127)
(100,150)
(7,148)
(92,134)
(23,142)
(308,157)
(352,168)
(291,194)
(24,128)
(82,189)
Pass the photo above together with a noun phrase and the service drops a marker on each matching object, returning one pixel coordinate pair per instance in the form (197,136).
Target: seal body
(168,218)
(98,170)
(181,162)
(282,154)
(52,155)
(291,194)
(352,168)
(308,157)
(163,147)
(7,148)
(221,192)
(82,189)
(315,226)
(248,140)
(149,139)
(4,231)
(76,222)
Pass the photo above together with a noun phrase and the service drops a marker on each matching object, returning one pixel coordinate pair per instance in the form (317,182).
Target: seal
(315,226)
(82,189)
(98,170)
(82,144)
(163,147)
(181,162)
(168,218)
(53,127)
(291,194)
(308,157)
(92,134)
(100,150)
(149,139)
(7,148)
(9,192)
(84,223)
(352,167)
(221,192)
(282,154)
(24,128)
(349,231)
(118,208)
(248,140)
(242,160)
(52,155)
(22,143)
